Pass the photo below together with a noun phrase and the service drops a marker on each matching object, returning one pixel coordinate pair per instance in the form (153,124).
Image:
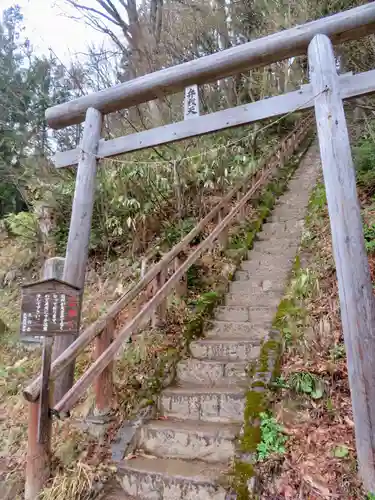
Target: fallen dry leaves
(320,459)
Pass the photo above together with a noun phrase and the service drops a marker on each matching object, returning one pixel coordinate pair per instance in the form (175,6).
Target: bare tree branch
(91,9)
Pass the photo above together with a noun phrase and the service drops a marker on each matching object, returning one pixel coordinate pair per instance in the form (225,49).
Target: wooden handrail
(31,392)
(74,394)
(87,379)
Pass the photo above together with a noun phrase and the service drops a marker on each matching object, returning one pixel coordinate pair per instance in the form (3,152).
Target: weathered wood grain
(220,120)
(353,274)
(348,25)
(350,86)
(79,232)
(103,386)
(44,426)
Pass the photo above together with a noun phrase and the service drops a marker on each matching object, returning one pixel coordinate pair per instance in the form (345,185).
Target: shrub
(364,157)
(369,234)
(24,226)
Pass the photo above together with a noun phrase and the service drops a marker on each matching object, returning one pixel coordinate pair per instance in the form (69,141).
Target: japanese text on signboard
(54,311)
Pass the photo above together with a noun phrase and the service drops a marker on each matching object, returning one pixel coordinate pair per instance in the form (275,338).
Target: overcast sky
(47,26)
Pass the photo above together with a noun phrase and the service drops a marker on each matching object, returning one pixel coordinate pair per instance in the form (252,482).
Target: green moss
(193,276)
(207,301)
(255,404)
(241,474)
(204,306)
(270,351)
(251,439)
(237,249)
(258,383)
(194,327)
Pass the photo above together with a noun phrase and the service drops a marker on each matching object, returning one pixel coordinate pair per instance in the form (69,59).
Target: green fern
(24,225)
(272,437)
(307,383)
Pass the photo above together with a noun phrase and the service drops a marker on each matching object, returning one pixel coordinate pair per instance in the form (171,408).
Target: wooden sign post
(36,312)
(49,307)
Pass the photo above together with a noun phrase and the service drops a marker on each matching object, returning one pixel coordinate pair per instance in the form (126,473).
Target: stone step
(287,213)
(275,247)
(246,329)
(261,299)
(184,439)
(212,404)
(256,286)
(232,349)
(262,262)
(280,229)
(300,182)
(272,272)
(266,259)
(293,201)
(285,208)
(224,313)
(112,490)
(257,315)
(297,216)
(211,372)
(171,479)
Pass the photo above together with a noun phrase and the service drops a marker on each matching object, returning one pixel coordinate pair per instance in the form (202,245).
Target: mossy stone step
(171,479)
(254,314)
(261,299)
(183,439)
(210,372)
(231,349)
(211,404)
(245,329)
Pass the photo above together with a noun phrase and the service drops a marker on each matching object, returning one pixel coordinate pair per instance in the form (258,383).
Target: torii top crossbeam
(348,25)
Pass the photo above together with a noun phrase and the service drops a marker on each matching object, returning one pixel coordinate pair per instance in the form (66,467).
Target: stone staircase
(187,452)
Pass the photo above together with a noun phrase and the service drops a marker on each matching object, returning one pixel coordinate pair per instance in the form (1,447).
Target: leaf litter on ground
(320,458)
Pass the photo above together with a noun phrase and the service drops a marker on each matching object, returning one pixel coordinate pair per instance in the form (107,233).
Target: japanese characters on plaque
(191,104)
(50,307)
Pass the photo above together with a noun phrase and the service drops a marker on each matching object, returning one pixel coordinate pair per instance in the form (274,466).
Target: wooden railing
(102,330)
(105,323)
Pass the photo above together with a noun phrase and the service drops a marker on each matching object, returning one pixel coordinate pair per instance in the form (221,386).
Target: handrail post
(357,302)
(181,287)
(161,312)
(241,213)
(38,462)
(223,238)
(104,383)
(79,233)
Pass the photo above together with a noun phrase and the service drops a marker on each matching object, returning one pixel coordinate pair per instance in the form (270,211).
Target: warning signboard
(50,307)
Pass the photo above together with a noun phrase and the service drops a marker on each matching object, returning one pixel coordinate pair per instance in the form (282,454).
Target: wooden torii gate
(325,93)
